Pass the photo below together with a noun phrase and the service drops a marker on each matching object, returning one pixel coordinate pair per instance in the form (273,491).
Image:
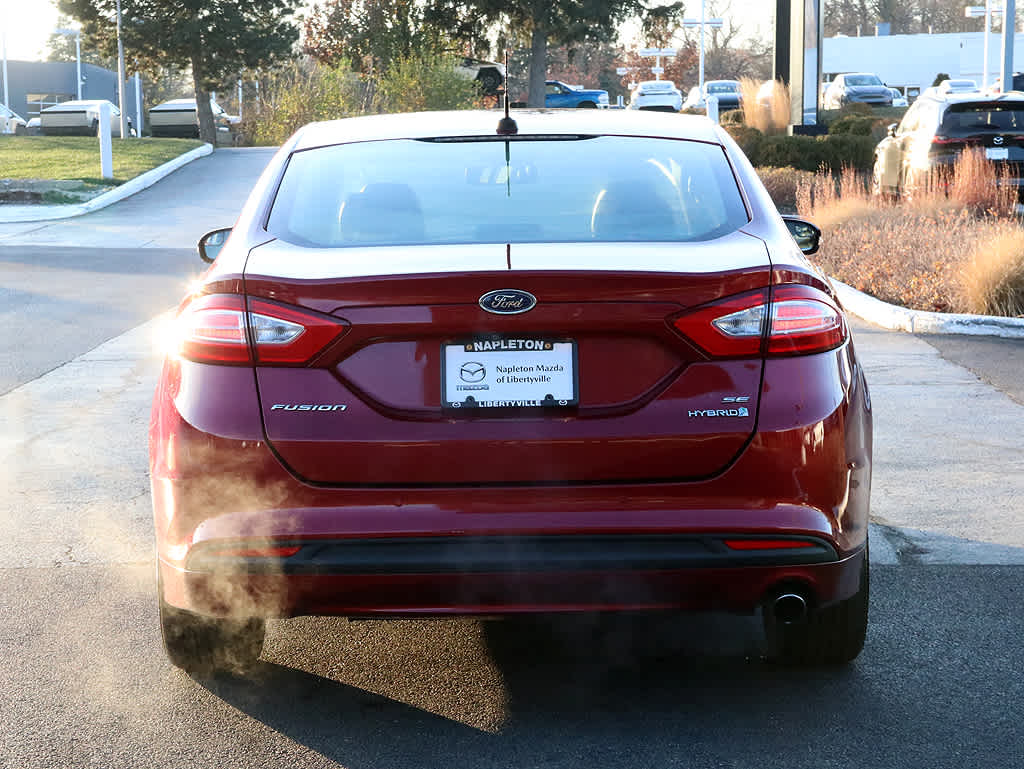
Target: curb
(34,213)
(920,322)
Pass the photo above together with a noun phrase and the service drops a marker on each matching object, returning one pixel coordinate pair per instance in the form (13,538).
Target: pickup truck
(558,94)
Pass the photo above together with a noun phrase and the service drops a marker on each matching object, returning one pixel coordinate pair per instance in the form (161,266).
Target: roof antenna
(507,126)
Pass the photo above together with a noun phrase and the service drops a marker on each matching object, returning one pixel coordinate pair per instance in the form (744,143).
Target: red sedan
(571,363)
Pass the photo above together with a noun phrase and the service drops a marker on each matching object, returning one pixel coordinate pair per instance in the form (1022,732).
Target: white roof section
(77,106)
(428,125)
(175,104)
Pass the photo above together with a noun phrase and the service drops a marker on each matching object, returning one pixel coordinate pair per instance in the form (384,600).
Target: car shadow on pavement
(643,692)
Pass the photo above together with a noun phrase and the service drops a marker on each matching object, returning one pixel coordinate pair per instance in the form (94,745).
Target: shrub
(733,117)
(855,108)
(782,185)
(425,81)
(858,125)
(939,78)
(749,139)
(299,93)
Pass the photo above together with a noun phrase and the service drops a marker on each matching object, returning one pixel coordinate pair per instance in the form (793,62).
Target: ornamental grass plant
(955,244)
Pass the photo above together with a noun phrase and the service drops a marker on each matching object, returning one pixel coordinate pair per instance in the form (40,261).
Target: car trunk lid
(632,399)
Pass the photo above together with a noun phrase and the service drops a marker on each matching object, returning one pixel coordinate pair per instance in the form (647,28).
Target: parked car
(898,99)
(938,127)
(558,94)
(658,95)
(857,87)
(11,122)
(727,92)
(80,118)
(957,86)
(769,90)
(997,84)
(490,74)
(440,367)
(179,117)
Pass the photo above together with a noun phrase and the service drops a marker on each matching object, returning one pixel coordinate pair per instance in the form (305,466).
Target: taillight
(217,329)
(799,320)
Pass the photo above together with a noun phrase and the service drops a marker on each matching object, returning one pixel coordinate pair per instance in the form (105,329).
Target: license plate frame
(529,360)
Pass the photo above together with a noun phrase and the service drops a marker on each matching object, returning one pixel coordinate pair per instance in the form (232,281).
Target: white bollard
(711,106)
(106,153)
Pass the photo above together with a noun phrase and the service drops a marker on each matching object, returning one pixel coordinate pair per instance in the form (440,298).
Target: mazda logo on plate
(472,372)
(997,140)
(508,301)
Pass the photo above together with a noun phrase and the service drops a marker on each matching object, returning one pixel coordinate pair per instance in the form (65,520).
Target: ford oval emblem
(508,301)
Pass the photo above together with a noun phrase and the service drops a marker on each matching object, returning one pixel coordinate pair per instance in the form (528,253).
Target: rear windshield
(862,80)
(970,118)
(522,191)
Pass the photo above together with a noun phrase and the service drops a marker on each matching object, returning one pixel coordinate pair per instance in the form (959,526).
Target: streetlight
(3,47)
(703,23)
(976,12)
(120,76)
(78,54)
(657,53)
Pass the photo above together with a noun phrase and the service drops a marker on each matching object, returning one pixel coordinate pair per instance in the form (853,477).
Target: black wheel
(830,636)
(95,128)
(206,645)
(586,105)
(20,130)
(490,79)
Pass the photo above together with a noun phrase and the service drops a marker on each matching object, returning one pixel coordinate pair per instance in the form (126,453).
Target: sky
(25,25)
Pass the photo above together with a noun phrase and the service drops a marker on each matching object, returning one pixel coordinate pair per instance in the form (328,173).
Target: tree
(368,33)
(570,23)
(216,40)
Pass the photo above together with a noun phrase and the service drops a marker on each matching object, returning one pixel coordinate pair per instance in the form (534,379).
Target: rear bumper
(277,590)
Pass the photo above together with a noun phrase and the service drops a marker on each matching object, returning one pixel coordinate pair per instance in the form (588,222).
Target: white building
(913,61)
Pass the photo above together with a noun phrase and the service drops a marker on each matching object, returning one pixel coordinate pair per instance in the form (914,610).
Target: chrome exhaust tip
(788,608)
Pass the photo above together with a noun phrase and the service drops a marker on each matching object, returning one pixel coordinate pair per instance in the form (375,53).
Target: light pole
(987,11)
(120,76)
(657,53)
(702,22)
(78,55)
(3,46)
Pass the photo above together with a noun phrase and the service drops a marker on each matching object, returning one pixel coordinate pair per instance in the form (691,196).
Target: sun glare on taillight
(217,329)
(798,320)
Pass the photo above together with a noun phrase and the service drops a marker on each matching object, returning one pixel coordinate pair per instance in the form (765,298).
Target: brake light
(766,544)
(285,551)
(799,320)
(217,329)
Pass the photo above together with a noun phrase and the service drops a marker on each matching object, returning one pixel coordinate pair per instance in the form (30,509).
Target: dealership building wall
(913,61)
(35,85)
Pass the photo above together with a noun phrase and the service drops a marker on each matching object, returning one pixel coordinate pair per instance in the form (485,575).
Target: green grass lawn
(78,157)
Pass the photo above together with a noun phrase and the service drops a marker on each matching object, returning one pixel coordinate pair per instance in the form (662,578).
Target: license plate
(509,372)
(997,153)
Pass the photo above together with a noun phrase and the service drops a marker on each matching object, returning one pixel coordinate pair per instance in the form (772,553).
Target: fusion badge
(308,407)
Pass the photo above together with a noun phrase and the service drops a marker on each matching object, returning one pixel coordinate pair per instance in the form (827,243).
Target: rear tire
(830,636)
(202,645)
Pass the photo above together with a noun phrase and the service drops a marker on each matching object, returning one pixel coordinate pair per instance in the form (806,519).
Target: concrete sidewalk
(201,196)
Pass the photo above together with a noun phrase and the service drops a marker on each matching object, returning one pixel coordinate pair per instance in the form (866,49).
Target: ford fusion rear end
(560,372)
